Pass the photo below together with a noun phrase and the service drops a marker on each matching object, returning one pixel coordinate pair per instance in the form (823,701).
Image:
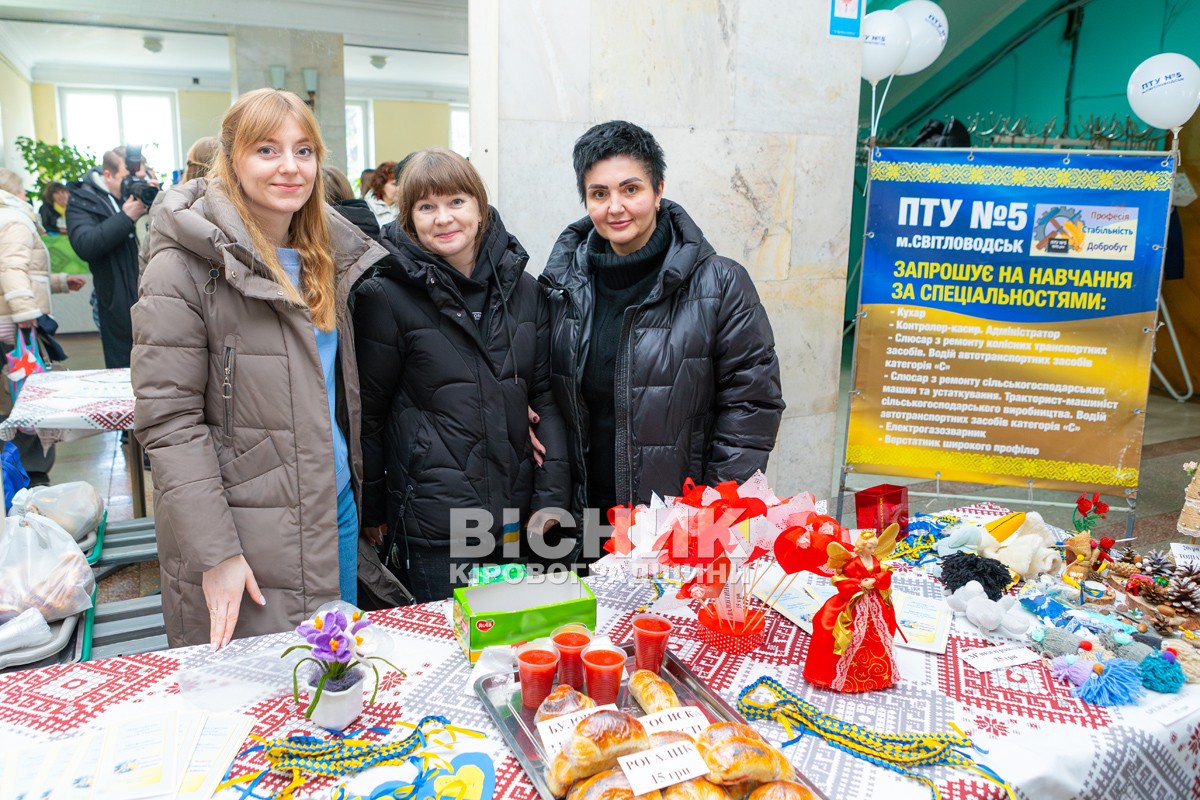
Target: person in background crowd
(200,157)
(101,227)
(453,352)
(54,208)
(364,181)
(25,286)
(247,383)
(664,360)
(339,195)
(381,194)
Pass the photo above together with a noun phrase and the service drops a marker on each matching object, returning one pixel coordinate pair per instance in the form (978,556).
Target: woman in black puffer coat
(453,350)
(664,360)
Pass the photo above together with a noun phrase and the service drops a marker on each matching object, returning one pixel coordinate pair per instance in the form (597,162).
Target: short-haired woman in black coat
(454,352)
(664,361)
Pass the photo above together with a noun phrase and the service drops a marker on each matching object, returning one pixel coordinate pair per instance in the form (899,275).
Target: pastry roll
(610,785)
(695,789)
(781,790)
(651,692)
(563,700)
(735,753)
(596,744)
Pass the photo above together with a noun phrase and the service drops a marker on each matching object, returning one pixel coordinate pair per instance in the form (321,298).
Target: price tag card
(1186,555)
(986,659)
(557,731)
(651,770)
(687,719)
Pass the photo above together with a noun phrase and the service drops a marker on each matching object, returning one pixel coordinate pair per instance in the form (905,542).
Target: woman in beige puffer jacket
(25,278)
(232,401)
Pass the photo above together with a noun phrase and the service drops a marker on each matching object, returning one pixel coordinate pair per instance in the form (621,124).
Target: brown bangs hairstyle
(438,171)
(253,118)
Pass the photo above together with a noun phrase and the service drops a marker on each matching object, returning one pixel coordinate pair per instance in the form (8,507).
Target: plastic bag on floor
(76,507)
(42,567)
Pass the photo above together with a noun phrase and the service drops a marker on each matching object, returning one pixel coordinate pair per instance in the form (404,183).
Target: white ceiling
(92,54)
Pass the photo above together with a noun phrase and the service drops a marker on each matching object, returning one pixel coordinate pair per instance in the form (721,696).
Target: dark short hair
(112,160)
(618,138)
(400,165)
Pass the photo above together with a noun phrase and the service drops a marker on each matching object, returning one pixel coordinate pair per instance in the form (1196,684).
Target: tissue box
(518,611)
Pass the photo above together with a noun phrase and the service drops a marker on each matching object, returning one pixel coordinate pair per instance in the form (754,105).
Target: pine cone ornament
(1153,594)
(1122,568)
(1160,623)
(1183,593)
(1155,564)
(1127,555)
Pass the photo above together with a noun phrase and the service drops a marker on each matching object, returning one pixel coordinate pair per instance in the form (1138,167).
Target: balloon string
(882,100)
(874,122)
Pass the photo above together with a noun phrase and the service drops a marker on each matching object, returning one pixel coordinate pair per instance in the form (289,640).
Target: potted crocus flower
(339,646)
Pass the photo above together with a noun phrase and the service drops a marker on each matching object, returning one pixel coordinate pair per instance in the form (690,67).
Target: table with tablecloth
(1046,743)
(65,405)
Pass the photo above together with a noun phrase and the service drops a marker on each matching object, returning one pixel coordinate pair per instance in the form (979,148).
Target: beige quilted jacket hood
(25,278)
(232,409)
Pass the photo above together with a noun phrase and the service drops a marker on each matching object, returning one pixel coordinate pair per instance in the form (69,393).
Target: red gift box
(882,505)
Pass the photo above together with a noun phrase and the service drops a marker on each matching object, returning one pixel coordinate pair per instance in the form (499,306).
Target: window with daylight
(99,120)
(358,141)
(460,130)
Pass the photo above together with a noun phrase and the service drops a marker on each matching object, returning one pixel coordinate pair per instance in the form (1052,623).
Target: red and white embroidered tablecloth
(64,405)
(1046,743)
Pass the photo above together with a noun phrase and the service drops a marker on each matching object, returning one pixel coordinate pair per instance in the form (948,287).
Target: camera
(133,184)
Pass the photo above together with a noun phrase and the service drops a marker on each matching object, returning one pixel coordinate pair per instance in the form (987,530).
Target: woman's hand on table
(223,587)
(375,533)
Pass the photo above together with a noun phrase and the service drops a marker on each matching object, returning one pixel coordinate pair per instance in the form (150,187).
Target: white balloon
(884,43)
(1164,90)
(928,28)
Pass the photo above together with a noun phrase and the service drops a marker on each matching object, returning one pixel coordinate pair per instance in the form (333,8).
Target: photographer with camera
(103,208)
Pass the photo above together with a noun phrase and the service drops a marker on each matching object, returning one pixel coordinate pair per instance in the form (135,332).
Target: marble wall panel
(739,188)
(824,180)
(536,195)
(804,458)
(806,317)
(791,75)
(664,64)
(550,81)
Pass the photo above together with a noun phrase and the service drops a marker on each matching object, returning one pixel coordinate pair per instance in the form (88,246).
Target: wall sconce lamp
(277,76)
(310,85)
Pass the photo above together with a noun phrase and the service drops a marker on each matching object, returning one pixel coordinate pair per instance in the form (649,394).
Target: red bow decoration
(805,549)
(709,581)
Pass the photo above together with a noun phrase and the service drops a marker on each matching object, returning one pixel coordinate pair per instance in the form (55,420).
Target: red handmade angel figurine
(851,647)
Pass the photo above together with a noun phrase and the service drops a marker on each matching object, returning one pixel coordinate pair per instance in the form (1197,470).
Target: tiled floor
(1172,436)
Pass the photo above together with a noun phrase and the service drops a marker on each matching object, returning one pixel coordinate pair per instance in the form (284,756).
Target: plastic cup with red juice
(537,663)
(650,634)
(602,668)
(570,640)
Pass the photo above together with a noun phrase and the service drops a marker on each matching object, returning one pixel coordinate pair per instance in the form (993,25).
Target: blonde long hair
(251,119)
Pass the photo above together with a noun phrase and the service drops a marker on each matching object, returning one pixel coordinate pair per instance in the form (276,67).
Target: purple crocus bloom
(333,647)
(335,621)
(358,626)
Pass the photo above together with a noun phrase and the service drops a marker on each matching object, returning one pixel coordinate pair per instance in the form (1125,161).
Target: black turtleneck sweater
(621,283)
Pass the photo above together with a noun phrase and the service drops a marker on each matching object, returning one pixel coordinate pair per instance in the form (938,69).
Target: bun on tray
(563,700)
(651,692)
(695,789)
(610,785)
(736,753)
(664,738)
(595,745)
(781,790)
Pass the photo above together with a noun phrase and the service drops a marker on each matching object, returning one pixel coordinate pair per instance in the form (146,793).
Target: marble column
(254,50)
(757,110)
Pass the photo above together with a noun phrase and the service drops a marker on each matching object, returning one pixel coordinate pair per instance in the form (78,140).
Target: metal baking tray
(500,694)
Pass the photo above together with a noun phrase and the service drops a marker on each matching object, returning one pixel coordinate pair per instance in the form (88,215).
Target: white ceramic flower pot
(336,710)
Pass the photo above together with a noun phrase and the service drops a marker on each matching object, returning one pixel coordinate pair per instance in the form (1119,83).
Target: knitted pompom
(1123,646)
(1112,683)
(1187,656)
(1054,641)
(1070,669)
(1162,674)
(960,569)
